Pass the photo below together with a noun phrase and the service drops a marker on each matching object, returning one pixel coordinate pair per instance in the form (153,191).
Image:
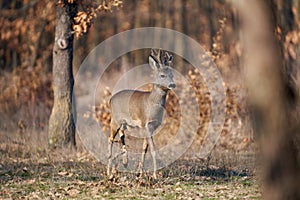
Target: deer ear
(153,52)
(169,57)
(153,64)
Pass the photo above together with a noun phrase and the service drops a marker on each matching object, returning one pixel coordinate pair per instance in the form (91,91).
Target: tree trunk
(61,123)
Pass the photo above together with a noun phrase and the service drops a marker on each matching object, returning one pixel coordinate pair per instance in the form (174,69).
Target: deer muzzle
(171,86)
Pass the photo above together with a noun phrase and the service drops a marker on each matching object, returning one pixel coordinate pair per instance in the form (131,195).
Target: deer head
(161,64)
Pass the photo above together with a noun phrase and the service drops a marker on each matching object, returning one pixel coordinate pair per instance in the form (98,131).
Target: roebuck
(142,109)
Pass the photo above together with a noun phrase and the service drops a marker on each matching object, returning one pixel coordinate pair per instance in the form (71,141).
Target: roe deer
(142,109)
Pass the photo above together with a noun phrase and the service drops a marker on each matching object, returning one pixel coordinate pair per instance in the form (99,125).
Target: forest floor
(28,172)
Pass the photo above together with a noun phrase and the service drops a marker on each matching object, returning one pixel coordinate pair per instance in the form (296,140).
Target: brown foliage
(84,17)
(24,40)
(27,96)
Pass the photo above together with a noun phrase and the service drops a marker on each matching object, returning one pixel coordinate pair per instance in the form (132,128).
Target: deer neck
(158,95)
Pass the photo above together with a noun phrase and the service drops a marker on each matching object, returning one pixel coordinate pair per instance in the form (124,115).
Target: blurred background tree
(272,97)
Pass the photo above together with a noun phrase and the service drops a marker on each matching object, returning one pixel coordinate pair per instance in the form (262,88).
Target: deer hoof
(140,174)
(111,177)
(125,159)
(154,175)
(108,172)
(125,156)
(140,169)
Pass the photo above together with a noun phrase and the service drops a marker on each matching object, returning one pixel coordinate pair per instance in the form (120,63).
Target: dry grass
(28,170)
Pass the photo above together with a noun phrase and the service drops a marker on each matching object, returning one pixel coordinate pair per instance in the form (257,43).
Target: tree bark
(61,124)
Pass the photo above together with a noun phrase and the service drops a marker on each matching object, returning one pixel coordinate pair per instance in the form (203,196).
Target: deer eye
(163,76)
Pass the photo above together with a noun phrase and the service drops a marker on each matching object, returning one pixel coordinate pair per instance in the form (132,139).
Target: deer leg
(153,154)
(124,151)
(111,138)
(141,164)
(150,130)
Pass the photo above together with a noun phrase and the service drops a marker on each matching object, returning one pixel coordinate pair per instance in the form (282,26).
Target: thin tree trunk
(61,123)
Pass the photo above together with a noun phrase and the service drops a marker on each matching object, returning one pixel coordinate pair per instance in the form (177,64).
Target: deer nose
(172,86)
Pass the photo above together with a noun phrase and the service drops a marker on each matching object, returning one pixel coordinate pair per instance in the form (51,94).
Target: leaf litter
(52,178)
